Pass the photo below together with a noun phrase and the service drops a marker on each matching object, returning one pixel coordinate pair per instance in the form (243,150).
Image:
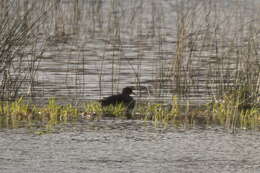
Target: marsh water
(128,146)
(135,43)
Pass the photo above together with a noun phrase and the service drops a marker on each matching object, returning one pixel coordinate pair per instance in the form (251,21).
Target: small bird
(123,98)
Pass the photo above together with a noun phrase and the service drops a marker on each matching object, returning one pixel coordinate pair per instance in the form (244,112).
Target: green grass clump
(118,110)
(95,110)
(237,109)
(68,112)
(92,110)
(12,113)
(159,113)
(54,113)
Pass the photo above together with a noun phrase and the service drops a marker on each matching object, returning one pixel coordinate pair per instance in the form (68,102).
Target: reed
(18,28)
(237,109)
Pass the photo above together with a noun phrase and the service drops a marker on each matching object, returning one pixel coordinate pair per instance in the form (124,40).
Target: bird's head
(127,91)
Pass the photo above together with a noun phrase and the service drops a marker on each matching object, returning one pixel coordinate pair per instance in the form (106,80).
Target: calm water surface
(135,44)
(128,146)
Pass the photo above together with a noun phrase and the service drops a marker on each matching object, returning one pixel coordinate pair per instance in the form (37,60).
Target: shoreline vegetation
(232,111)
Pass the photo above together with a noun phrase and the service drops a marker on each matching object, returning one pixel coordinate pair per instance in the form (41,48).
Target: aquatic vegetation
(119,110)
(158,113)
(92,110)
(68,113)
(54,113)
(13,112)
(51,112)
(229,112)
(237,108)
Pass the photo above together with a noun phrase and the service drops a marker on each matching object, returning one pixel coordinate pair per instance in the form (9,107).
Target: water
(132,43)
(104,57)
(128,146)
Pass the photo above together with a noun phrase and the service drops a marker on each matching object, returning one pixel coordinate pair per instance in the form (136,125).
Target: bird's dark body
(117,99)
(123,98)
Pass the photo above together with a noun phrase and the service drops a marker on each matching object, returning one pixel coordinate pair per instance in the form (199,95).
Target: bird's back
(117,99)
(111,100)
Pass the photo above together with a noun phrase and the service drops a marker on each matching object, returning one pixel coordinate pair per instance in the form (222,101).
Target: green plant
(118,110)
(92,110)
(68,112)
(234,110)
(158,113)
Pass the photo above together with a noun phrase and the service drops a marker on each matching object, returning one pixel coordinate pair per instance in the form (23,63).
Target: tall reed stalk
(17,36)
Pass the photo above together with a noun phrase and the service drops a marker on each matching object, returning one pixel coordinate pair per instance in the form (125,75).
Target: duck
(122,98)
